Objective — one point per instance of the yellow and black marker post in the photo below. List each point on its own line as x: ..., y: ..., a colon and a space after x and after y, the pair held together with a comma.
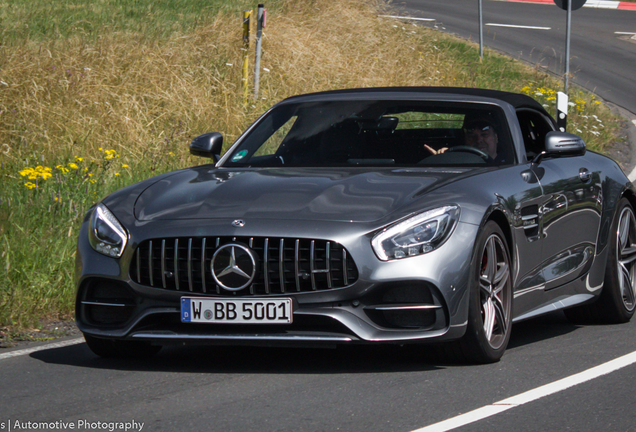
x: 246, y: 51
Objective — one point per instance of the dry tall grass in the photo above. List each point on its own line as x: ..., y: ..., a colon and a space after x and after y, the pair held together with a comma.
x: 126, y: 92
x: 72, y: 97
x: 129, y: 93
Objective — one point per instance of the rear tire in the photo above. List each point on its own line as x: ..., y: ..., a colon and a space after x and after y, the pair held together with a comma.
x: 490, y: 303
x: 617, y: 301
x: 113, y: 348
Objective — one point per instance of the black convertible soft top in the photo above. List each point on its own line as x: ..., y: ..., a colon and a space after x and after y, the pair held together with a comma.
x: 517, y: 100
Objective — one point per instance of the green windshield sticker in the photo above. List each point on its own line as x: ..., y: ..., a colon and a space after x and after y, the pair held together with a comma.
x: 240, y: 155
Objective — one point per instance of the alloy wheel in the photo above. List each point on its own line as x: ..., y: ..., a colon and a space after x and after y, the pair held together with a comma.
x: 626, y: 254
x: 494, y: 280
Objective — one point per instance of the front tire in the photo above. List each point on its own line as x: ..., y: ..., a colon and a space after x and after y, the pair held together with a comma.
x: 490, y: 303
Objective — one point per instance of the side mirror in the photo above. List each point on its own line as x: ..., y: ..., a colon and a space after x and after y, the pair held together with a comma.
x: 564, y: 144
x: 208, y: 145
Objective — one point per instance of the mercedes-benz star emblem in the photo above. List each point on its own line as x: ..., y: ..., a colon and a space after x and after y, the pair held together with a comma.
x: 234, y: 266
x: 239, y: 223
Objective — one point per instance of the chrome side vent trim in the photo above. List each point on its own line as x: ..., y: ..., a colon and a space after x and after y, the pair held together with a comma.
x: 530, y: 219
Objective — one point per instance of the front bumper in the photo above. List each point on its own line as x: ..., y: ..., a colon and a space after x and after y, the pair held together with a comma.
x: 411, y: 300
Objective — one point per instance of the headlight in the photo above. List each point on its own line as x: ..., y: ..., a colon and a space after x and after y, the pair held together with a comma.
x: 416, y: 235
x: 105, y: 234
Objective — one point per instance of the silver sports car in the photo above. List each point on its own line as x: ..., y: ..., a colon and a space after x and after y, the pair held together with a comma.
x: 388, y: 215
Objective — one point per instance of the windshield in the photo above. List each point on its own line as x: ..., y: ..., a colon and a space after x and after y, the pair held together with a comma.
x: 376, y: 133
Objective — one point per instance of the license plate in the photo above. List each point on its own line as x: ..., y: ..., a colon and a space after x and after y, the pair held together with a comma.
x: 236, y: 311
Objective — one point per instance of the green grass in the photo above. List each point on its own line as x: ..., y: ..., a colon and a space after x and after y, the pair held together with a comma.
x: 96, y: 95
x: 46, y: 20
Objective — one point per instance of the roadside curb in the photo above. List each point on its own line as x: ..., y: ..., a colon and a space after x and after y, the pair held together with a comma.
x: 599, y: 4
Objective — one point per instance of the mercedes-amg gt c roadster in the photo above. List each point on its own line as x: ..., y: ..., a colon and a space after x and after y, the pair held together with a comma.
x: 386, y: 215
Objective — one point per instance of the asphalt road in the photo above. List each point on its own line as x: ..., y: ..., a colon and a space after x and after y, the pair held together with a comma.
x: 603, y: 55
x: 352, y: 389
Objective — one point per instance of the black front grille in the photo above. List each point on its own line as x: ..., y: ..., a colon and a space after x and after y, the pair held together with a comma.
x: 285, y: 265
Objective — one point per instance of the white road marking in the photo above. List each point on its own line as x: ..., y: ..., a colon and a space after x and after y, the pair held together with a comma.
x: 603, y: 4
x: 54, y: 345
x: 407, y: 18
x: 518, y: 26
x: 625, y: 33
x: 531, y: 395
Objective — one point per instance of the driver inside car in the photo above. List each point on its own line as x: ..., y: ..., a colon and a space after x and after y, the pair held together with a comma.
x: 481, y: 135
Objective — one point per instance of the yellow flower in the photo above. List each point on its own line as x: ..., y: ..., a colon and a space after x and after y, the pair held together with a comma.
x: 44, y: 172
x: 580, y: 105
x: 39, y: 172
x: 27, y: 172
x: 79, y: 159
x: 124, y: 166
x: 73, y: 166
x: 62, y: 169
x: 116, y: 174
x: 31, y: 185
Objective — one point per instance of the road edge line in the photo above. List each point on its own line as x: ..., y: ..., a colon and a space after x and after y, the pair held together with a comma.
x: 26, y: 351
x: 531, y: 395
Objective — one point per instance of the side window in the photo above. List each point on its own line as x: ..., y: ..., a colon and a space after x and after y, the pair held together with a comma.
x: 534, y: 127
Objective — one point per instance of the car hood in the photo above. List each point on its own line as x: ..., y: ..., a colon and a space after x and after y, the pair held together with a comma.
x: 356, y: 195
